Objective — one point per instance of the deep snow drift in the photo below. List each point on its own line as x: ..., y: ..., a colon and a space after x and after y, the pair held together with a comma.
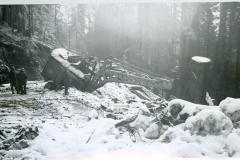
x: 76, y: 126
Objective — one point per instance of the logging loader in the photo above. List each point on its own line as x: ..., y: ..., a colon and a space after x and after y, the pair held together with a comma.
x: 89, y: 74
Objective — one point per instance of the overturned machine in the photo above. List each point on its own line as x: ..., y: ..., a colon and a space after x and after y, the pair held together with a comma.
x: 88, y: 74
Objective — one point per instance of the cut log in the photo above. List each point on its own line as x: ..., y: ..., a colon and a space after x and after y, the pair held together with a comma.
x: 126, y: 121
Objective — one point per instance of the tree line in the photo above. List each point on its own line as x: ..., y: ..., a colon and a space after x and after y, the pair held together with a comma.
x: 156, y: 36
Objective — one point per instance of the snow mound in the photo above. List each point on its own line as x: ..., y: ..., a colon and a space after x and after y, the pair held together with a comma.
x: 93, y: 114
x: 182, y: 109
x: 209, y: 121
x: 23, y: 154
x: 142, y: 121
x: 175, y: 133
x: 232, y: 143
x: 231, y: 107
x: 152, y: 132
x: 144, y: 110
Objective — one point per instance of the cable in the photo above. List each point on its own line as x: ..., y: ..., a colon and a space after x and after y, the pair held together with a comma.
x: 20, y: 65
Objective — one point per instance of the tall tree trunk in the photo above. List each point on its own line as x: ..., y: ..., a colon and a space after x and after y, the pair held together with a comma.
x: 55, y: 21
x: 221, y: 44
x: 173, y: 47
x: 237, y: 75
x: 32, y: 12
x: 5, y: 16
x: 221, y: 52
x: 1, y: 14
x: 196, y: 25
x: 29, y: 21
x: 183, y: 46
x: 19, y: 21
x: 209, y: 24
x: 228, y: 80
x: 69, y: 40
x: 117, y: 31
x: 23, y: 20
x: 140, y: 31
x: 14, y: 17
x: 10, y: 17
x: 207, y: 80
x: 174, y: 18
x: 145, y: 54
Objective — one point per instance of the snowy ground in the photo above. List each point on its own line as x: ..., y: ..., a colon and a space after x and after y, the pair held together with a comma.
x: 65, y: 127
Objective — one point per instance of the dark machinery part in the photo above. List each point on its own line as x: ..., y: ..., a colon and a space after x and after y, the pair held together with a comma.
x: 88, y: 74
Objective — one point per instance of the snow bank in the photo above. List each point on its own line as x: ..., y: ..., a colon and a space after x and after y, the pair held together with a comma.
x: 142, y: 121
x: 209, y: 121
x: 152, y: 132
x: 207, y: 133
x: 233, y: 143
x: 182, y: 109
x: 175, y: 133
x: 23, y: 154
x: 93, y: 114
x: 231, y: 107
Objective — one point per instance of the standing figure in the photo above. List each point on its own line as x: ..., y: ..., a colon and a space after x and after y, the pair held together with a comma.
x: 17, y: 77
x: 13, y: 79
x: 4, y: 71
x: 22, y: 81
x: 66, y: 80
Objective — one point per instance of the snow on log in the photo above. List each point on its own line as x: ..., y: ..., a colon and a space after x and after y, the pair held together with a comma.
x: 181, y: 109
x: 200, y: 59
x: 126, y: 121
x: 209, y: 121
x: 231, y: 107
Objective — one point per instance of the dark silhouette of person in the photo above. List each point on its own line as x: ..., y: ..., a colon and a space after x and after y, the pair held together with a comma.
x: 66, y: 80
x: 22, y: 80
x: 13, y: 79
x: 4, y: 71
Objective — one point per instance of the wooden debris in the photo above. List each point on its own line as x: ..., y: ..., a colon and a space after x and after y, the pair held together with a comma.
x: 126, y: 121
x: 90, y: 136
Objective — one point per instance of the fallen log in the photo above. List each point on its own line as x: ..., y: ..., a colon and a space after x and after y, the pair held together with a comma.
x: 126, y: 121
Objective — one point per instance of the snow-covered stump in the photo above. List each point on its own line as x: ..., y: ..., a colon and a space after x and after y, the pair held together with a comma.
x: 209, y: 122
x: 231, y: 108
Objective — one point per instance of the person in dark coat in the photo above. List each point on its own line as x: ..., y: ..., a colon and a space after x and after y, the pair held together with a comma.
x: 22, y: 81
x: 17, y: 77
x: 13, y: 79
x: 66, y: 80
x: 4, y: 71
